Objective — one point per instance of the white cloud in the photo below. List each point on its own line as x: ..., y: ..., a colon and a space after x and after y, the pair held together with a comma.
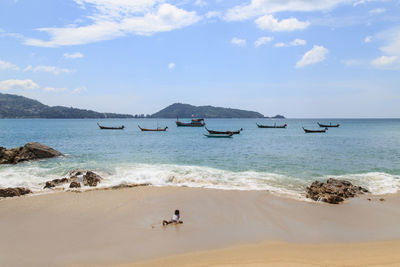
x: 17, y: 84
x: 49, y: 69
x: 4, y: 65
x: 238, y: 42
x: 116, y: 18
x: 73, y: 55
x: 213, y: 14
x: 368, y: 39
x: 295, y: 42
x: 362, y: 2
x: 391, y: 49
x: 79, y: 90
x: 268, y: 22
x: 262, y: 7
x: 200, y: 3
x: 315, y: 55
x: 263, y: 40
x: 54, y: 90
x: 171, y: 65
x: 384, y: 60
x: 377, y: 11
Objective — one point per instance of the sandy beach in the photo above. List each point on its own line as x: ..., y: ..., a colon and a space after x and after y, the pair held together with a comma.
x: 221, y: 228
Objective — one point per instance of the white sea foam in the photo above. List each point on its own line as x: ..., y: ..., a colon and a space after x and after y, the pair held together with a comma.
x: 378, y: 183
x: 34, y: 176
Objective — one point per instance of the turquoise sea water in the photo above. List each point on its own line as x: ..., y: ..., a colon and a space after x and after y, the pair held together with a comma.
x: 365, y: 151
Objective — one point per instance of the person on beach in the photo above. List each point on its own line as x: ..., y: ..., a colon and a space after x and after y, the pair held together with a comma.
x: 175, y: 219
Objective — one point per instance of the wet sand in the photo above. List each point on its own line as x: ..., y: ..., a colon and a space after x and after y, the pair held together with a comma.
x: 111, y: 227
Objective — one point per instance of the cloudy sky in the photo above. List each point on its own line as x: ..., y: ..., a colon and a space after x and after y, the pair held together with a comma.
x: 300, y: 58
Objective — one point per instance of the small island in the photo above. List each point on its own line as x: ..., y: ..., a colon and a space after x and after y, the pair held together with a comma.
x: 187, y: 111
x: 15, y: 106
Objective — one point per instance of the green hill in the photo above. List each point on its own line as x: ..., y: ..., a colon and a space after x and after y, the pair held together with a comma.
x: 14, y: 106
x: 188, y: 111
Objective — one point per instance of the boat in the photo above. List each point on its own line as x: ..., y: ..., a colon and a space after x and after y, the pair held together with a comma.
x: 314, y: 131
x: 111, y: 128
x: 153, y: 130
x: 219, y: 135
x: 330, y: 125
x: 272, y: 126
x: 193, y: 123
x: 224, y: 132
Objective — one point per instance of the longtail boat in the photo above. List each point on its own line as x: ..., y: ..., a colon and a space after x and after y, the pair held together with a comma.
x: 193, y: 123
x: 314, y: 131
x: 153, y: 130
x: 224, y: 132
x: 272, y: 126
x: 330, y: 125
x: 111, y: 128
x: 219, y: 135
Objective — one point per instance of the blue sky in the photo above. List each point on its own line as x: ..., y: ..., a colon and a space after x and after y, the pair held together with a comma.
x: 300, y: 58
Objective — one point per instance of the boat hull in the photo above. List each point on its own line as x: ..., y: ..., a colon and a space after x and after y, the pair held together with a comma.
x: 153, y: 130
x: 314, y: 131
x: 218, y: 135
x: 111, y: 128
x: 328, y: 126
x: 224, y: 132
x: 272, y: 127
x: 189, y: 124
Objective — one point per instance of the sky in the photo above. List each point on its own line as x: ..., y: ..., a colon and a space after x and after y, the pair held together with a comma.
x: 299, y: 58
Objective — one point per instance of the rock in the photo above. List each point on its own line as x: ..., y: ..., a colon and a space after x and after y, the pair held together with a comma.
x: 55, y: 182
x: 333, y: 191
x: 91, y: 179
x: 14, y: 192
x: 74, y: 185
x: 30, y: 151
x: 381, y: 199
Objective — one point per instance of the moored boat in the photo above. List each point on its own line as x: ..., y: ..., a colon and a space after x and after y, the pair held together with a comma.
x: 330, y: 125
x: 193, y: 123
x: 110, y: 128
x: 219, y: 135
x: 272, y: 126
x: 314, y: 131
x: 153, y: 130
x: 224, y: 132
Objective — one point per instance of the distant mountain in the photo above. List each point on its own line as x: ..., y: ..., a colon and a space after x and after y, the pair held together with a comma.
x: 14, y: 106
x: 278, y: 117
x: 187, y: 111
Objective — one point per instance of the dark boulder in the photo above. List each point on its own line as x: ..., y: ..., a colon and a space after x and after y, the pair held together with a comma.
x: 333, y: 191
x: 30, y: 151
x: 14, y: 192
x: 91, y: 179
x: 74, y: 185
x: 55, y: 182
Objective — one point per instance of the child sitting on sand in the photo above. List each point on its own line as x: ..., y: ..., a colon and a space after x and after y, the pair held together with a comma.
x: 174, y: 219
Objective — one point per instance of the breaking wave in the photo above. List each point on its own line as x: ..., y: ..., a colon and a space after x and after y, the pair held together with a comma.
x: 34, y: 176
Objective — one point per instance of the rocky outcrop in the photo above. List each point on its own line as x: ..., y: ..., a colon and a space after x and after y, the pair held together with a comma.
x: 333, y: 191
x: 14, y: 192
x: 30, y: 151
x: 55, y: 182
x: 74, y: 185
x: 91, y: 179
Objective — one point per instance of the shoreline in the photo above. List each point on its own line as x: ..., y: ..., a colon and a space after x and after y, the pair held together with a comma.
x: 111, y: 227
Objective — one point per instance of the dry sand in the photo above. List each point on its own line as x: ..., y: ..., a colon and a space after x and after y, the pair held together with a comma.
x: 124, y: 226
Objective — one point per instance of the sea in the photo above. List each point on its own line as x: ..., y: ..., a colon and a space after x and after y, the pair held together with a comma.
x: 281, y: 161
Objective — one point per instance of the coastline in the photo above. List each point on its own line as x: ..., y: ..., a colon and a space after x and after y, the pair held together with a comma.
x: 111, y: 227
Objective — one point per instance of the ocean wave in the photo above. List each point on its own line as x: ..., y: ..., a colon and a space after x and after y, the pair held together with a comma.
x: 34, y: 176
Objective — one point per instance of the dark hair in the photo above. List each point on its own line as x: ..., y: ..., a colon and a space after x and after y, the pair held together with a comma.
x: 176, y: 212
